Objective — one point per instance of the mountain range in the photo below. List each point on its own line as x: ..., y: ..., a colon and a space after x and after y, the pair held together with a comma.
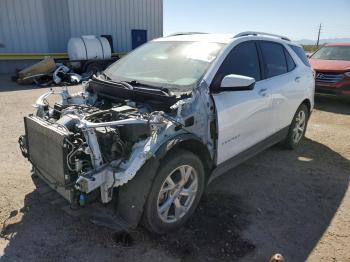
x: 322, y: 41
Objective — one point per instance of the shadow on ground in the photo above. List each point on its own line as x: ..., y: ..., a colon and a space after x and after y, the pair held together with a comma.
x: 279, y: 201
x: 293, y: 195
x: 7, y: 85
x: 333, y: 104
x: 213, y: 232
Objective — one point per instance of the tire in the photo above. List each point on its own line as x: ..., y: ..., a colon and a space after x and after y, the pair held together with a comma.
x: 293, y: 140
x: 93, y: 67
x: 161, y: 217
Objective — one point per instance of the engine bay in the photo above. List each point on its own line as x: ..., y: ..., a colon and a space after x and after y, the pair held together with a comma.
x: 101, y: 141
x: 93, y: 141
x: 115, y: 141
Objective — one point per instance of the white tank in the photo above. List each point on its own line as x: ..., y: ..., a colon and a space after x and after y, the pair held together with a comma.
x: 89, y: 47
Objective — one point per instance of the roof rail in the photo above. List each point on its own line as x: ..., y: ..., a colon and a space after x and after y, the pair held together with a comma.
x: 247, y: 33
x: 186, y: 33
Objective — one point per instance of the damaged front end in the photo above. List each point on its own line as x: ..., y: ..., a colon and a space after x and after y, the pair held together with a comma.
x: 93, y: 142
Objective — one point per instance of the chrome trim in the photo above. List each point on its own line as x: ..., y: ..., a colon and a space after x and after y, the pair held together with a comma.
x: 330, y: 78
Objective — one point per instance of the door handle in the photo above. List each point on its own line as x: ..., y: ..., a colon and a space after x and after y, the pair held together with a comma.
x: 263, y: 92
x: 297, y: 79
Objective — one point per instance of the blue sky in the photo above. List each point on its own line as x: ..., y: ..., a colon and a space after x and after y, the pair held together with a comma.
x: 296, y: 19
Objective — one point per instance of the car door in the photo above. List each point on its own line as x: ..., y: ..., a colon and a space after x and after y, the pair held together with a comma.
x: 243, y: 117
x: 280, y: 76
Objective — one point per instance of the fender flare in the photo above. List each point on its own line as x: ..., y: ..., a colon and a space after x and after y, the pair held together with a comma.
x: 133, y: 195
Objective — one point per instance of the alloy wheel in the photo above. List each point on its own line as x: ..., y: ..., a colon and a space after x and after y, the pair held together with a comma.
x: 299, y: 127
x: 177, y: 194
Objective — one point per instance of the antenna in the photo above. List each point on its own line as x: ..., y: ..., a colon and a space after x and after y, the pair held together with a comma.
x: 319, y: 33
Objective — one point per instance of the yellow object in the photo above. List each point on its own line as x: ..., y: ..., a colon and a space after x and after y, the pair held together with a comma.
x: 31, y: 56
x: 45, y: 66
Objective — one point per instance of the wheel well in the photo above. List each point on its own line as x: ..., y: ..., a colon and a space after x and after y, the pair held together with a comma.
x: 307, y: 103
x: 200, y: 150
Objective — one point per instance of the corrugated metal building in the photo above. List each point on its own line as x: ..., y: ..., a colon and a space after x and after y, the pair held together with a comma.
x: 45, y: 26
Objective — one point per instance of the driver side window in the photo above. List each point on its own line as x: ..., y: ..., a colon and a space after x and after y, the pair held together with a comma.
x: 242, y: 60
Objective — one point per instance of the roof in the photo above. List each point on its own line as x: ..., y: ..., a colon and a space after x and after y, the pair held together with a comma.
x: 337, y: 44
x: 222, y: 38
x: 202, y: 37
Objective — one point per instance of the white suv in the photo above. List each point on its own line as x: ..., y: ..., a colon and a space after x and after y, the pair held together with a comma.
x: 158, y: 125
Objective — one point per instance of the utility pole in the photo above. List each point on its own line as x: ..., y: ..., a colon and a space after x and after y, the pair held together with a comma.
x: 318, y: 37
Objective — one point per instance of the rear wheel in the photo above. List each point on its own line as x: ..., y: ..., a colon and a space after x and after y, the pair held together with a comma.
x: 297, y: 128
x: 175, y: 193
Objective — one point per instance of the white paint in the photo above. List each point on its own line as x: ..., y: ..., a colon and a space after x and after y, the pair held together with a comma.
x: 89, y: 47
x: 237, y: 81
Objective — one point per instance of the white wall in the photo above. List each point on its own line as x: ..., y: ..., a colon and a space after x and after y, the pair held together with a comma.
x: 44, y: 26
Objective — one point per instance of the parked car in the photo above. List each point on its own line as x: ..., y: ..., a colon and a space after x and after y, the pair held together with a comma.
x: 161, y: 123
x: 332, y: 69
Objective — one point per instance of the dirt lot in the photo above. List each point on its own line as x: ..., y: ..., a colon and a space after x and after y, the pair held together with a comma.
x: 293, y: 202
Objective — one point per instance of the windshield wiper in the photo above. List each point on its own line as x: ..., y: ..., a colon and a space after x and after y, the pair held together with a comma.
x: 107, y: 77
x: 133, y: 84
x: 122, y: 83
x: 137, y: 84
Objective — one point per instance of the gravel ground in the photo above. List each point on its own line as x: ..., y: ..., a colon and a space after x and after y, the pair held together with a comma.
x: 296, y: 203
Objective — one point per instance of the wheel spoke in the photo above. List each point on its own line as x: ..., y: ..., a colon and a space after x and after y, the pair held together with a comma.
x: 187, y: 192
x: 190, y: 191
x: 301, y: 117
x: 179, y: 209
x: 295, y: 130
x: 185, y: 172
x: 166, y: 206
x: 188, y: 173
x: 165, y: 213
x: 295, y: 136
x: 182, y: 171
x: 170, y: 181
x: 170, y: 185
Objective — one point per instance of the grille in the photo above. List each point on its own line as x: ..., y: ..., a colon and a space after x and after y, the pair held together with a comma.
x: 46, y: 150
x: 330, y: 78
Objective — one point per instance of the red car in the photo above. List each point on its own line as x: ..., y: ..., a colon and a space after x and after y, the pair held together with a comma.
x: 332, y: 69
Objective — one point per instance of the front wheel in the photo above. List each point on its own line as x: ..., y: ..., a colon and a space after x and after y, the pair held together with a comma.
x: 297, y: 128
x: 175, y: 193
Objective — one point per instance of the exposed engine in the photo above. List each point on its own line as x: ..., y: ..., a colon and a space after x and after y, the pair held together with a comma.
x: 85, y: 141
x: 115, y: 142
x: 94, y: 141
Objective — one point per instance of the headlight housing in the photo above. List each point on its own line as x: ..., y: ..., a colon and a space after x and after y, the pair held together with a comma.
x: 347, y: 74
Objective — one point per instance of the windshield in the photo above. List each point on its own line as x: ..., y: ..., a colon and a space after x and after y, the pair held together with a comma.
x: 333, y: 53
x: 177, y: 66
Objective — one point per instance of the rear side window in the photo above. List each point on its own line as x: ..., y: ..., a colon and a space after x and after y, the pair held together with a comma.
x: 242, y: 60
x: 290, y: 61
x: 301, y: 54
x: 274, y: 59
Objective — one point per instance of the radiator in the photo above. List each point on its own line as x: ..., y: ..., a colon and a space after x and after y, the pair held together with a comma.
x: 47, y: 152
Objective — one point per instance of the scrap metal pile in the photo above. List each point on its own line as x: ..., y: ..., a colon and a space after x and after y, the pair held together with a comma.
x: 47, y: 73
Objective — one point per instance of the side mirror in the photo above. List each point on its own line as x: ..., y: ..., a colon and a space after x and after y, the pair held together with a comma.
x: 237, y: 83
